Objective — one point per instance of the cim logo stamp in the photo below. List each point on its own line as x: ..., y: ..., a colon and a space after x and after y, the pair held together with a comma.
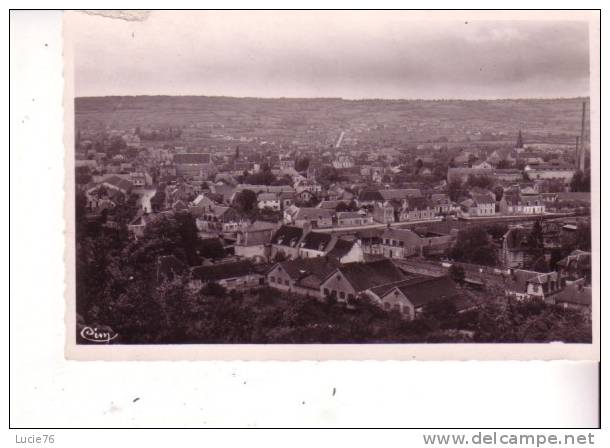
x: 95, y: 334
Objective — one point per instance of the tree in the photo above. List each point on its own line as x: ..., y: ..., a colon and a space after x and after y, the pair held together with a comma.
x: 497, y: 230
x: 535, y: 238
x: 82, y: 175
x: 116, y: 145
x: 441, y: 311
x: 473, y: 245
x: 211, y: 248
x: 535, y: 242
x: 328, y: 175
x: 284, y: 180
x: 519, y: 143
x: 556, y: 257
x: 499, y: 192
x: 455, y: 190
x: 214, y: 289
x: 301, y: 164
x: 245, y: 201
x: 503, y: 164
x: 279, y: 257
x: 157, y: 202
x: 439, y: 172
x: 346, y: 207
x: 480, y: 181
x: 540, y: 265
x: 530, y: 320
x: 189, y: 240
x: 553, y: 186
x: 264, y: 177
x: 457, y: 273
x: 581, y: 182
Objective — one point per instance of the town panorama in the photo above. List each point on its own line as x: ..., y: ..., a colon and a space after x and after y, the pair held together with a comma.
x: 245, y: 220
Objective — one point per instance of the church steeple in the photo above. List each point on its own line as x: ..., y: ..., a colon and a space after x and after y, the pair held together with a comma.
x: 519, y: 140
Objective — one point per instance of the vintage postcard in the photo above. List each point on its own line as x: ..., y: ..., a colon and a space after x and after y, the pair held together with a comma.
x: 297, y: 185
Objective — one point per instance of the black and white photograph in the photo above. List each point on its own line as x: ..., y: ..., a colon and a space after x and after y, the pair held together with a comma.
x: 391, y: 178
x: 303, y: 219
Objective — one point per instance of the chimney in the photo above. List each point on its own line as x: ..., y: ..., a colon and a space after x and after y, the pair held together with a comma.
x: 582, y: 146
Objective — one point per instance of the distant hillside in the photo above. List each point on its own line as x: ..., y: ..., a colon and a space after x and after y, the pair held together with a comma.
x: 393, y: 120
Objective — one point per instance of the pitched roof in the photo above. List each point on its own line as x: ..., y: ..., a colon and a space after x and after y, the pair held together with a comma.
x: 225, y: 190
x: 260, y: 226
x: 287, y: 236
x: 343, y: 215
x: 215, y: 272
x: 267, y: 197
x: 179, y: 205
x: 578, y: 257
x: 483, y: 199
x: 363, y: 276
x: 517, y: 280
x: 330, y: 205
x: 265, y: 188
x: 316, y: 241
x: 512, y: 198
x: 467, y: 170
x: 531, y: 199
x: 341, y: 248
x: 286, y: 195
x: 406, y: 235
x: 370, y: 195
x: 401, y: 193
x: 369, y: 233
x: 542, y: 278
x: 220, y: 210
x: 574, y: 196
x: 418, y: 203
x: 440, y: 198
x: 202, y: 200
x: 575, y: 293
x: 310, y: 213
x: 550, y: 167
x: 118, y: 182
x: 300, y: 268
x: 192, y: 158
x: 421, y: 290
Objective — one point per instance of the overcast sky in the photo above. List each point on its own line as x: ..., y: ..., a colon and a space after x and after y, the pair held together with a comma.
x: 329, y: 54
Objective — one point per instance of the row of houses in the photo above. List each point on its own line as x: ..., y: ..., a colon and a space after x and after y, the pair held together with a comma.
x: 391, y: 287
x: 292, y: 242
x: 381, y: 281
x: 323, y: 277
x: 395, y: 243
